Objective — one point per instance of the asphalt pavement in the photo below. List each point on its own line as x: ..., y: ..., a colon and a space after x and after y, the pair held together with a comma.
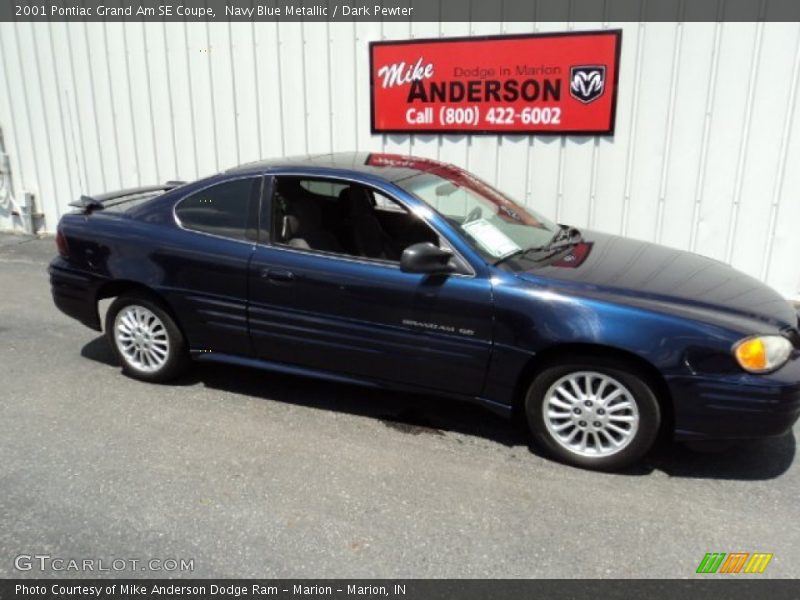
x: 254, y: 474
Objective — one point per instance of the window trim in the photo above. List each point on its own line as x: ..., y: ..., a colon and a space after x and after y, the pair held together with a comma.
x: 265, y: 217
x: 349, y: 257
x: 249, y: 242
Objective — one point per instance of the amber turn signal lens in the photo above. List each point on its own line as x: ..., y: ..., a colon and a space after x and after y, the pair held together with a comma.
x: 752, y: 355
x: 762, y: 353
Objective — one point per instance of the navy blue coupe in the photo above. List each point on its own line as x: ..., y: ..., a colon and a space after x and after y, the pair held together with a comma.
x: 416, y: 275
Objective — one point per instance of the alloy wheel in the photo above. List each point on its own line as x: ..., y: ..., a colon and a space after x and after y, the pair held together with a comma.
x: 141, y: 338
x: 590, y: 414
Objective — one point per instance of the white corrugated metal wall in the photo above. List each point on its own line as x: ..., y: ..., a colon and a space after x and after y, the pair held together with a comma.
x: 706, y: 154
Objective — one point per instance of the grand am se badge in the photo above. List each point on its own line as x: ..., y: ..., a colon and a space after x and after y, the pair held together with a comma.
x: 439, y: 327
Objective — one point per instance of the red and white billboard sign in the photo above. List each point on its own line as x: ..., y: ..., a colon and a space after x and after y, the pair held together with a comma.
x: 548, y: 83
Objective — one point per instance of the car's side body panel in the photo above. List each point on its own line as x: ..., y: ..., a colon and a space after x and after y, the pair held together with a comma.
x: 370, y: 319
x: 204, y: 280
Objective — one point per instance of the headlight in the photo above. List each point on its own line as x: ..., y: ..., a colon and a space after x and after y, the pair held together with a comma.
x: 762, y: 353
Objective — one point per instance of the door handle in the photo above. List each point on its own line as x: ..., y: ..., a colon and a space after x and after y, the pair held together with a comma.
x: 280, y: 275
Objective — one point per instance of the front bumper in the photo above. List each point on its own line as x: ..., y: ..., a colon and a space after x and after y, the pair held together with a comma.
x: 736, y: 406
x: 75, y: 292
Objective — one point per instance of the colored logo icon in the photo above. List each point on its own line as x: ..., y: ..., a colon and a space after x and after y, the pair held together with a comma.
x: 734, y: 562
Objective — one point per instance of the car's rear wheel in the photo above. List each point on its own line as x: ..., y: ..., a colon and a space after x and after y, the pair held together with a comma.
x: 145, y: 339
x: 593, y: 413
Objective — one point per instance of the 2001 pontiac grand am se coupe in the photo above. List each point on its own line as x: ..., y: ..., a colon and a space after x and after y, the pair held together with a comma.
x: 412, y: 274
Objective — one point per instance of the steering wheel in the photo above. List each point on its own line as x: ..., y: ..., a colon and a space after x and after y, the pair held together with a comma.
x: 473, y: 215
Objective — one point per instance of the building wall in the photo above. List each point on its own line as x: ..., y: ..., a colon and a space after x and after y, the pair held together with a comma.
x: 706, y: 154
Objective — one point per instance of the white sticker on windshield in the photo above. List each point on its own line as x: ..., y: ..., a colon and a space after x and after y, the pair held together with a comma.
x: 491, y: 239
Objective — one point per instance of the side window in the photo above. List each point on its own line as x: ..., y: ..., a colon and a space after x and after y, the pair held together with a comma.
x: 344, y: 218
x: 384, y: 203
x: 325, y: 188
x: 224, y: 209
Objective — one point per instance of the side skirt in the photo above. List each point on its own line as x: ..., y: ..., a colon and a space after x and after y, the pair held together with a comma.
x: 266, y: 365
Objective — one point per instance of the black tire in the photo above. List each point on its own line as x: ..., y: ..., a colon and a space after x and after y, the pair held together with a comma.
x: 639, y: 391
x: 176, y: 354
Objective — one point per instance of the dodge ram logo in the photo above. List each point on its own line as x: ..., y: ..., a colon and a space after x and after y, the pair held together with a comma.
x: 587, y: 82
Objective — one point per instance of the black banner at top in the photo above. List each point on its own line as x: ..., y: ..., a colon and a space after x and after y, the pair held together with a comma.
x: 400, y: 10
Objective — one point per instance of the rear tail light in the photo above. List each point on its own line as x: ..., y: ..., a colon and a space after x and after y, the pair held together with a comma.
x: 61, y: 244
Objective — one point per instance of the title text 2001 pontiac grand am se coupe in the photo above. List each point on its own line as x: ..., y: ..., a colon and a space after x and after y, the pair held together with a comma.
x: 415, y: 275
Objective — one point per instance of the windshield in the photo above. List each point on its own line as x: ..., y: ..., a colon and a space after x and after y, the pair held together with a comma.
x: 492, y: 223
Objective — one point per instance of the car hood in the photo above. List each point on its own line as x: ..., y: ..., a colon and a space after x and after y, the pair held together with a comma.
x: 641, y: 271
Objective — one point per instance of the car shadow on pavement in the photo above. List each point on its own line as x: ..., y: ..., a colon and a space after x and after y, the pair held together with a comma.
x: 744, y: 459
x: 416, y: 414
x: 98, y: 350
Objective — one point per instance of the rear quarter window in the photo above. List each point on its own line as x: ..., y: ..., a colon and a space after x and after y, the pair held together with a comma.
x: 223, y: 209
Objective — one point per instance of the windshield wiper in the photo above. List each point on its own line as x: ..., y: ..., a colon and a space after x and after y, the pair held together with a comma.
x: 565, y: 237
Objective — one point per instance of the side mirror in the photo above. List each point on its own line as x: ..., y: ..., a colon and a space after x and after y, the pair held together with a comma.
x: 426, y: 258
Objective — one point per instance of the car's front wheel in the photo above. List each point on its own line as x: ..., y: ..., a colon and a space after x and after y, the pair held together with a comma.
x: 593, y: 413
x: 145, y: 339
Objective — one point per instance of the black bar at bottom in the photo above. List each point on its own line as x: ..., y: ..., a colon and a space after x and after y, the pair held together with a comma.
x: 708, y: 587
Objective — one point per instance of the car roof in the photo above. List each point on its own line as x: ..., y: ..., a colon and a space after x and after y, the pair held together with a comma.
x: 389, y: 167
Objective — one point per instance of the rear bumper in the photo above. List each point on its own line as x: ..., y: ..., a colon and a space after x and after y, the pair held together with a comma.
x: 736, y: 406
x: 75, y: 293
